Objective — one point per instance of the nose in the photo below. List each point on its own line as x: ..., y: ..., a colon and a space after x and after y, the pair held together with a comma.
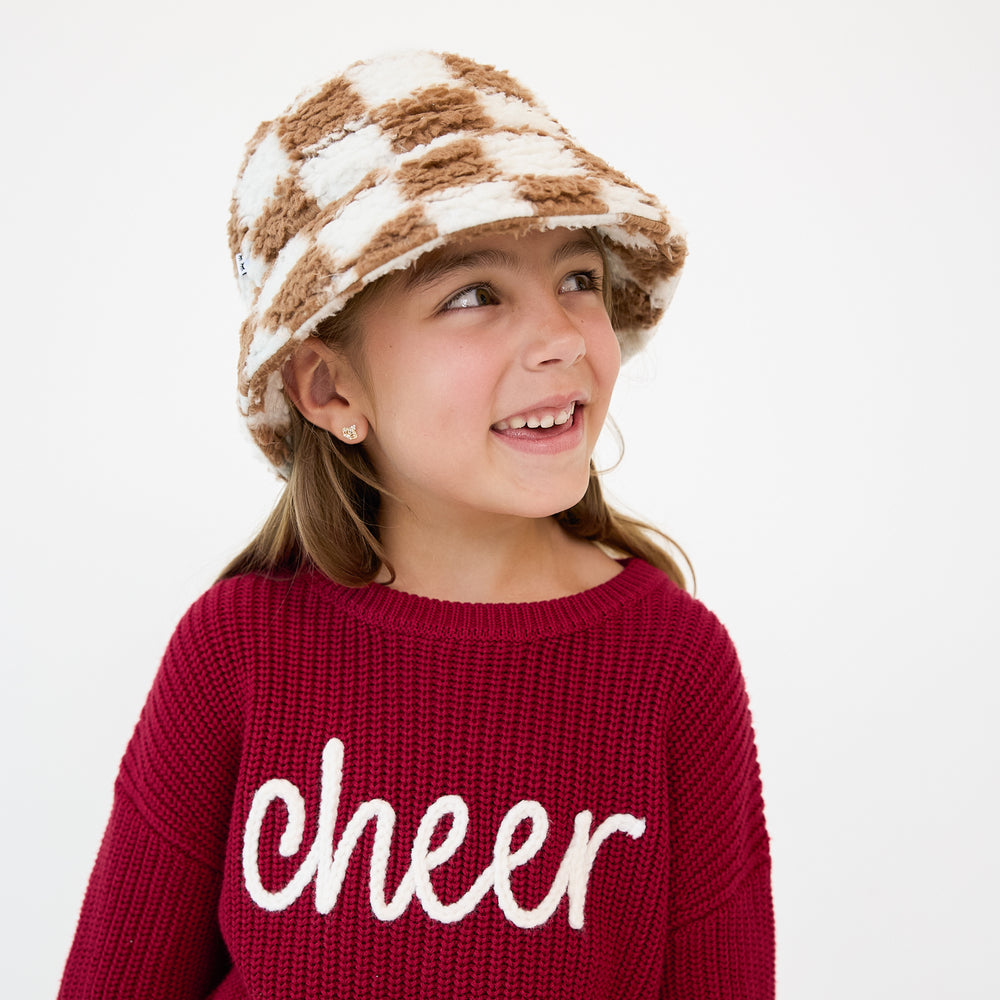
x: 553, y: 338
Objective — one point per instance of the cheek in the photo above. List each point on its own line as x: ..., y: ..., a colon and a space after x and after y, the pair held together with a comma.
x: 462, y: 380
x: 606, y: 356
x: 431, y: 390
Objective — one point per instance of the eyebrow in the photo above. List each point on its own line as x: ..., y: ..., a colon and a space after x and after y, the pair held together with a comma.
x: 428, y: 271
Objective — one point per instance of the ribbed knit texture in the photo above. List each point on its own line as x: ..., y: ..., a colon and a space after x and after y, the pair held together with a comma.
x: 624, y: 703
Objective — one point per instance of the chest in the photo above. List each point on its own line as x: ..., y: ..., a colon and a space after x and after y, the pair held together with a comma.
x: 398, y: 790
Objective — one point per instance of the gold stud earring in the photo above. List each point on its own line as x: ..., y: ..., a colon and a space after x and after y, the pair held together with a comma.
x: 350, y: 433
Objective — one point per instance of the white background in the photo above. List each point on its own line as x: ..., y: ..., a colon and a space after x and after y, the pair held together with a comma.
x: 817, y: 423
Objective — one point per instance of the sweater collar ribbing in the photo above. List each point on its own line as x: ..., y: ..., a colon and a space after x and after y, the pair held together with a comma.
x: 403, y: 612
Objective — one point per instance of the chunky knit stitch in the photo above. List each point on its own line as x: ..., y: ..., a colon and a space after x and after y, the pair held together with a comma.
x: 345, y: 793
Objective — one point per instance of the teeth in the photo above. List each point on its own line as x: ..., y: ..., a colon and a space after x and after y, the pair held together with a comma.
x: 534, y: 422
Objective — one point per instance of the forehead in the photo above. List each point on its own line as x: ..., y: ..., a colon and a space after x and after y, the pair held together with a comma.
x: 506, y: 250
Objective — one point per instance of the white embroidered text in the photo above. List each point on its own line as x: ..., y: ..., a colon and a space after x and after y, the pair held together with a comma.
x: 328, y: 866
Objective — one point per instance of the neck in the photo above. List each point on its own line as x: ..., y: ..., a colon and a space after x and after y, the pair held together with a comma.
x: 509, y: 560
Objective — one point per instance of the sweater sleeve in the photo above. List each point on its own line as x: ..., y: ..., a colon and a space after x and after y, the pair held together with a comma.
x: 148, y: 927
x: 722, y: 936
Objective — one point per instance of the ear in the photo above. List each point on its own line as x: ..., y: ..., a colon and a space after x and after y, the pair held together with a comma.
x: 326, y: 391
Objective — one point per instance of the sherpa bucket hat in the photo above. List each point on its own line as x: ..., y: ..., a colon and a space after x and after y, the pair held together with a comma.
x: 367, y: 172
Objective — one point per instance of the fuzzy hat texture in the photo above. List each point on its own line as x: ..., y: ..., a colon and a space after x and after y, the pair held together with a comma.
x: 367, y: 172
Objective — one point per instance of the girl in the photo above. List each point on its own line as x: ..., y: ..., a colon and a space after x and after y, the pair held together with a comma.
x: 450, y: 726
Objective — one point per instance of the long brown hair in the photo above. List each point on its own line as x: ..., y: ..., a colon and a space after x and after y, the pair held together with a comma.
x: 327, y: 515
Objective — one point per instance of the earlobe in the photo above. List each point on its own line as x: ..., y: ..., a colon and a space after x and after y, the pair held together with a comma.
x: 323, y: 388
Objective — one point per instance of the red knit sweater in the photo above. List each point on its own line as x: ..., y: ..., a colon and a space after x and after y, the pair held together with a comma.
x: 347, y: 793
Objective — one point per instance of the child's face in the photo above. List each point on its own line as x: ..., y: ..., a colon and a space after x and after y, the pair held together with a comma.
x: 488, y: 338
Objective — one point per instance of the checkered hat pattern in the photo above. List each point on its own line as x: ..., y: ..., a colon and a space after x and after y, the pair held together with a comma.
x: 364, y: 174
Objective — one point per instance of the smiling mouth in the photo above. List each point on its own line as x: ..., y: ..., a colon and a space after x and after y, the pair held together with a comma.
x: 539, y: 420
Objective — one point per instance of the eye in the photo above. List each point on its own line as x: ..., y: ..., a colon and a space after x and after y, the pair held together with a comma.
x: 472, y: 298
x: 581, y: 281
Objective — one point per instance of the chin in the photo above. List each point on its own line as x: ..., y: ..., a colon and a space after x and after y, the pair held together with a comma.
x: 556, y: 503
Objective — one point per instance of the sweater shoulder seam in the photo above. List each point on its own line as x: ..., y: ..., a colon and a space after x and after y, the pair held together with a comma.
x: 764, y: 864
x: 157, y: 832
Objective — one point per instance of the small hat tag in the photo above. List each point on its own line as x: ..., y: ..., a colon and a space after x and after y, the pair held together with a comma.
x: 241, y: 265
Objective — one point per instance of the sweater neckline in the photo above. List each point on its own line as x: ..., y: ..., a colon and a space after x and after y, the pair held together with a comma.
x: 400, y: 611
